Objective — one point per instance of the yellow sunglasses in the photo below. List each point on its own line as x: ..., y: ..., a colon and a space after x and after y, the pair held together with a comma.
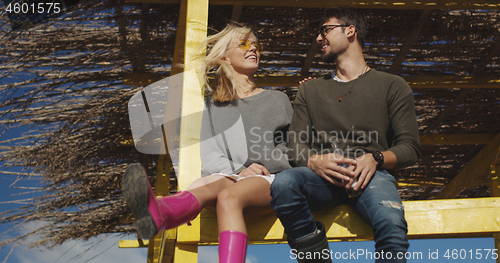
x: 245, y: 45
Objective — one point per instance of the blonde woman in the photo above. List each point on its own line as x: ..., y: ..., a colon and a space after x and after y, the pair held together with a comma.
x: 245, y: 145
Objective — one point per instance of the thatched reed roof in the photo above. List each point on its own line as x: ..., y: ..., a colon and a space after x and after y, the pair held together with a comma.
x: 64, y: 79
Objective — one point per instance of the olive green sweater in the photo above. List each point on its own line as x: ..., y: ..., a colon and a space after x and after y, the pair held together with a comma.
x: 377, y: 114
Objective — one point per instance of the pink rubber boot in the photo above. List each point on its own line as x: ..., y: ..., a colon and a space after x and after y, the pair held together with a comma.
x: 154, y: 214
x: 232, y: 247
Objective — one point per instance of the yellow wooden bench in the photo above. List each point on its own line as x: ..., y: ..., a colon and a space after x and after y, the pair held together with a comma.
x: 454, y: 218
x: 426, y: 219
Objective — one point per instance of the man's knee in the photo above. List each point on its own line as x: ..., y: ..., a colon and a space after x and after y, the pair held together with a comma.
x: 286, y: 182
x: 391, y: 214
x: 280, y: 182
x: 390, y: 228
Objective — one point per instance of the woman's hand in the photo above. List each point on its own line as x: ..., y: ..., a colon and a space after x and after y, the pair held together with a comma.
x: 254, y: 169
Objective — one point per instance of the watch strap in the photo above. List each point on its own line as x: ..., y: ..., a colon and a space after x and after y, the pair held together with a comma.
x: 379, y: 157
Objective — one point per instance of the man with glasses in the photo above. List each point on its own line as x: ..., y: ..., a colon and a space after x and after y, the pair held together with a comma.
x: 348, y: 131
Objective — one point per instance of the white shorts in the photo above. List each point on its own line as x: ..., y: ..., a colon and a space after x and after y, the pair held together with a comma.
x: 236, y: 177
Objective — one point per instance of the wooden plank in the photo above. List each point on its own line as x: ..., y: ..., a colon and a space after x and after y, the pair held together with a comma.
x: 449, y: 109
x: 420, y: 182
x: 186, y: 253
x: 497, y: 244
x: 313, y: 50
x: 495, y: 180
x: 464, y: 92
x: 487, y: 59
x: 428, y: 139
x: 166, y: 248
x: 473, y: 172
x: 446, y: 82
x: 437, y: 218
x: 408, y: 43
x: 492, y: 82
x: 236, y: 15
x: 448, y: 139
x: 196, y: 23
x: 192, y: 97
x: 426, y: 219
x: 417, y: 82
x: 161, y: 247
x: 133, y: 243
x: 387, y: 4
x: 495, y: 191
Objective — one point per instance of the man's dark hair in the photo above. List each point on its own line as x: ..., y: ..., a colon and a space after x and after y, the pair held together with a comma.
x: 348, y: 16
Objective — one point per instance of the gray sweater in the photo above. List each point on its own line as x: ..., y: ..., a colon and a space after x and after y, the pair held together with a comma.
x: 378, y: 114
x: 255, y: 131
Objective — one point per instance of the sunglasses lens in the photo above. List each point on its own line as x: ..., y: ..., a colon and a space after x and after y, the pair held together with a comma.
x: 246, y: 44
x: 258, y: 46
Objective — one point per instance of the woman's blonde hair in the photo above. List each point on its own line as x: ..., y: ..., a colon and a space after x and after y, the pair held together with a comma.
x: 224, y: 82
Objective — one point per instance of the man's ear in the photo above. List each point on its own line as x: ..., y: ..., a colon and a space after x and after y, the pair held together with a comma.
x: 351, y: 30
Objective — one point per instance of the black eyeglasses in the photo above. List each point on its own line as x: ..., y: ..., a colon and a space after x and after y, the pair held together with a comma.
x: 325, y: 29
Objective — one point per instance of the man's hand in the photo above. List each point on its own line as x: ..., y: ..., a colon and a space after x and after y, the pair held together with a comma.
x: 254, y: 169
x: 306, y: 80
x: 327, y: 167
x: 365, y: 168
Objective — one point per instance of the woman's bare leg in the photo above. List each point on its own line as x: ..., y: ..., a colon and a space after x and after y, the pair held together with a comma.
x: 207, y: 188
x: 250, y: 193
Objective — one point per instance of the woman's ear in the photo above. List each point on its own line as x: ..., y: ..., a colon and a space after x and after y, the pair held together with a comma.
x: 226, y: 59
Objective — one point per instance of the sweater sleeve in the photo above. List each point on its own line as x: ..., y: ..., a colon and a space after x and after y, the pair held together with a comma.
x: 300, y: 130
x: 403, y: 124
x: 288, y: 112
x: 214, y: 158
x: 288, y: 108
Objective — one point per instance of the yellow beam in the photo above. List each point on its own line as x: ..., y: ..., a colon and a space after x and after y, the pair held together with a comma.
x: 492, y: 82
x: 192, y: 96
x: 495, y: 180
x: 236, y: 15
x: 420, y: 182
x: 433, y: 139
x: 133, y: 243
x: 142, y: 79
x: 192, y: 27
x: 497, y: 244
x: 162, y: 246
x: 162, y: 183
x: 387, y: 4
x: 428, y: 139
x: 409, y: 41
x: 186, y: 253
x: 195, y: 22
x: 426, y: 219
x: 444, y: 82
x: 473, y: 172
x: 495, y: 191
x: 311, y: 53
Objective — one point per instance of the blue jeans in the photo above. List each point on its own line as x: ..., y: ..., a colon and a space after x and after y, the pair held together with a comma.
x: 299, y: 191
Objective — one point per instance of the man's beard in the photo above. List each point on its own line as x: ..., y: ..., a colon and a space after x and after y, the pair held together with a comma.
x: 330, y: 57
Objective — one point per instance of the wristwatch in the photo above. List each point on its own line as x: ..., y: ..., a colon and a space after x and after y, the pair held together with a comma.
x: 379, y: 158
